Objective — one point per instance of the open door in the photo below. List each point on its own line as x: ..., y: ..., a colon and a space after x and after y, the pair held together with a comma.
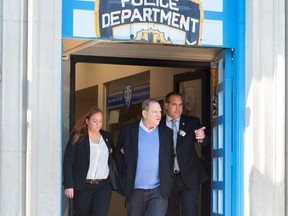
x: 222, y: 137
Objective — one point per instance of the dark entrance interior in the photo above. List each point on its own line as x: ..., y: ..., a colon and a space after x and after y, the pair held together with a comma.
x: 202, y: 72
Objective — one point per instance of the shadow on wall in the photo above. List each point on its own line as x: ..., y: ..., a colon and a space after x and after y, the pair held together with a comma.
x: 266, y: 196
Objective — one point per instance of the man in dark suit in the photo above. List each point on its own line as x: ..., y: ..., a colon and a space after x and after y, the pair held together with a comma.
x: 144, y: 159
x: 188, y: 169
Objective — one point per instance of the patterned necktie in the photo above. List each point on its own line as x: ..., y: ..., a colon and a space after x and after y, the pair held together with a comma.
x: 175, y: 132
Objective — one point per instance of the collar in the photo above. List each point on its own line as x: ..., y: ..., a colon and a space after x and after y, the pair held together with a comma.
x: 145, y: 128
x: 168, y: 119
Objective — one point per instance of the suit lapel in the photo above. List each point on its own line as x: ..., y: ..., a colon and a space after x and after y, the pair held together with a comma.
x: 161, y: 137
x: 163, y: 120
x: 182, y: 123
x: 107, y: 141
x: 135, y: 138
x: 105, y: 138
x: 87, y: 146
x: 182, y: 126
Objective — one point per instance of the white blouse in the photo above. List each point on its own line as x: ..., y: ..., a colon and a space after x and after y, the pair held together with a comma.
x: 98, y: 167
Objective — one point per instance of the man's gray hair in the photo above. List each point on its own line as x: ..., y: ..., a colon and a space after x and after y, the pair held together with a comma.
x: 146, y: 103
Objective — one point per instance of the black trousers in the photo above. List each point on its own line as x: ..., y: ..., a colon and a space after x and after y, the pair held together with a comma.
x: 184, y: 197
x: 94, y: 199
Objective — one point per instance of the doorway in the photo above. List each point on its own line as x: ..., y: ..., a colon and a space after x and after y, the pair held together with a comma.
x: 169, y: 71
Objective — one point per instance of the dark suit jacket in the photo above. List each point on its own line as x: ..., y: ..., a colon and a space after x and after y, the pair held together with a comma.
x: 126, y: 164
x: 191, y: 167
x: 77, y: 159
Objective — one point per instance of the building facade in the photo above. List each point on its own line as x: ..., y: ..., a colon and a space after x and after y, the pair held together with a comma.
x: 35, y: 107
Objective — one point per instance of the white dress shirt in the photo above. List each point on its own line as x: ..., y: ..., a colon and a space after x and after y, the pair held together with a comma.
x: 98, y: 166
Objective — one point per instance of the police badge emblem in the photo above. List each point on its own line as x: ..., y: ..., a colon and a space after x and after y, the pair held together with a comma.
x: 127, y: 92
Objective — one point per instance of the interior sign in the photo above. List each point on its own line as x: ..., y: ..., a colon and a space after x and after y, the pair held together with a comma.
x: 150, y: 21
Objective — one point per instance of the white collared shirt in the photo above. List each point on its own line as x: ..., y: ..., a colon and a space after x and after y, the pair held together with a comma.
x: 169, y: 122
x: 145, y: 128
x: 98, y: 166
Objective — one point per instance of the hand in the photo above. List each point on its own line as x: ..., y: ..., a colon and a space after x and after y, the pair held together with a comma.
x: 200, y: 134
x: 122, y: 151
x: 69, y: 192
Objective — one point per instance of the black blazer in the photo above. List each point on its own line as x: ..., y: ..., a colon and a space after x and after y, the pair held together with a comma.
x: 126, y: 164
x: 191, y: 167
x: 77, y: 159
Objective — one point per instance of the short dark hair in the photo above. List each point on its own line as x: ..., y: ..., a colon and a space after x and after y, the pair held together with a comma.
x: 170, y: 94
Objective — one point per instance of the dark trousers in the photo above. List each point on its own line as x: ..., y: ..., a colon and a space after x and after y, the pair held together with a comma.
x: 94, y: 199
x: 183, y: 196
x: 147, y: 202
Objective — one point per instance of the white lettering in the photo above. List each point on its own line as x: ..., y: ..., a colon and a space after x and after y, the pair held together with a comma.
x: 164, y: 5
x: 173, y: 5
x: 123, y: 2
x: 139, y: 3
x: 126, y: 14
x: 175, y: 20
x: 194, y: 22
x: 166, y: 17
x: 147, y: 3
x: 147, y: 15
x: 185, y: 23
x: 105, y: 20
x: 136, y: 16
x: 155, y: 11
x: 115, y: 18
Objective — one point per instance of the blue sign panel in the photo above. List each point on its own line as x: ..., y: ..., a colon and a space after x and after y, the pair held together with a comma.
x: 128, y: 96
x: 160, y: 21
x: 185, y: 22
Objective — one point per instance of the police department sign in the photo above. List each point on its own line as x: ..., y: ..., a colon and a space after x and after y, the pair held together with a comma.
x: 151, y: 21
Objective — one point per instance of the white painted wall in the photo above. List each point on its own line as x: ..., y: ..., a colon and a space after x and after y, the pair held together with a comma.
x: 286, y: 107
x: 12, y: 147
x: 30, y: 144
x: 264, y: 154
x: 30, y: 108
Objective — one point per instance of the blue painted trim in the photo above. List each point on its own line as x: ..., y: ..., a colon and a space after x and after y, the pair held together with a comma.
x: 227, y: 121
x: 86, y: 1
x: 229, y: 16
x: 239, y: 114
x: 67, y: 17
x: 84, y: 5
x: 213, y: 15
x: 228, y: 127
